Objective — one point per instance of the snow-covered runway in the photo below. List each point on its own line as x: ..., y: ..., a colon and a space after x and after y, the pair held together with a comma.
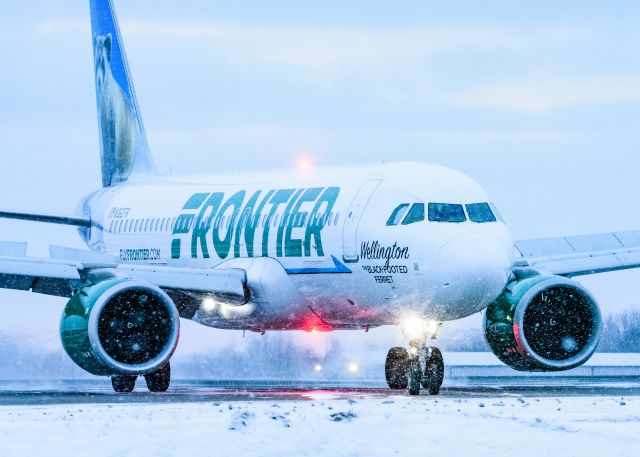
x: 327, y: 424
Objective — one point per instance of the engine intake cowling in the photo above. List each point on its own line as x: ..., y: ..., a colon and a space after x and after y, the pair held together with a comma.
x: 543, y: 323
x: 120, y: 327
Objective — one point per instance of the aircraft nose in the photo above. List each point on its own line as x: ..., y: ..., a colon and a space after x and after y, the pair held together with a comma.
x: 475, y: 268
x: 481, y: 252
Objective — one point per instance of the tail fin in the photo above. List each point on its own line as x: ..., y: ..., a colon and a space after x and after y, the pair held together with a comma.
x: 124, y: 150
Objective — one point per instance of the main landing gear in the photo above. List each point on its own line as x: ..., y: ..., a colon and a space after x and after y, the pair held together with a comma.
x: 419, y: 367
x: 158, y: 381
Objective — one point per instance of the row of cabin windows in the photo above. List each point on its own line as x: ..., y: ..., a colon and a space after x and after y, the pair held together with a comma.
x: 161, y: 225
x: 444, y: 212
x: 183, y: 224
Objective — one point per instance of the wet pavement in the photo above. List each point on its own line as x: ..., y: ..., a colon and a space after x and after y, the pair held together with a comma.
x: 100, y: 392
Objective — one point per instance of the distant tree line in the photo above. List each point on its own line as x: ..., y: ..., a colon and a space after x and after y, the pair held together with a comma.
x: 278, y: 356
x: 620, y: 333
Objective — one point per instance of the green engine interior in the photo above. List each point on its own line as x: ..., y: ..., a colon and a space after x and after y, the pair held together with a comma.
x: 74, y: 327
x: 558, y: 323
x: 118, y: 327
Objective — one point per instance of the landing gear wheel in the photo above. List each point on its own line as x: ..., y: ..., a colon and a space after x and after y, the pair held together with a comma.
x: 396, y: 368
x: 123, y: 384
x: 434, y: 371
x: 415, y: 376
x: 159, y: 380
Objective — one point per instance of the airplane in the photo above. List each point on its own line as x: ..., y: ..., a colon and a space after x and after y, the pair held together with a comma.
x: 326, y: 249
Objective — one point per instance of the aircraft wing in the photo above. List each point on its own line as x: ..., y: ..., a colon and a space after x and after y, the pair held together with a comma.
x: 580, y: 255
x: 69, y: 269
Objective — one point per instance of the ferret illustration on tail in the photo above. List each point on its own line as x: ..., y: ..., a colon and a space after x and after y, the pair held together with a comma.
x: 117, y: 126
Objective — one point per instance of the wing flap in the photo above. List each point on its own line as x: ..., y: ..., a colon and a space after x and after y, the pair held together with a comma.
x: 38, y: 275
x: 9, y: 249
x: 24, y: 266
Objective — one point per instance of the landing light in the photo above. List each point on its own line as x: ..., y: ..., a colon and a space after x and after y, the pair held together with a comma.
x: 317, y: 368
x: 209, y: 304
x: 415, y: 327
x: 353, y: 368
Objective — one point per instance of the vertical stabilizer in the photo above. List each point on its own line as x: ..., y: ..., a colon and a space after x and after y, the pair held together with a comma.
x: 124, y: 150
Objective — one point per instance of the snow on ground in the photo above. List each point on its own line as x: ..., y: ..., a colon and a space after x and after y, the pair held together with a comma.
x: 398, y: 425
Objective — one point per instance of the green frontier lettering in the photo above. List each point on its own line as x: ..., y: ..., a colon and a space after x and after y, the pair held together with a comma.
x: 293, y: 248
x: 318, y: 219
x: 223, y: 246
x: 209, y: 218
x: 281, y: 196
x: 183, y: 222
x: 284, y: 222
x: 249, y: 222
x: 203, y: 224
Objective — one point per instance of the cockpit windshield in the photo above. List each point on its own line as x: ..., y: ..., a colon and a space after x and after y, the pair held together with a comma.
x: 446, y: 212
x: 410, y: 213
x: 480, y: 213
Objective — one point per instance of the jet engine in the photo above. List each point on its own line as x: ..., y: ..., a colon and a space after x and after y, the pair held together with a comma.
x: 120, y: 327
x: 543, y: 323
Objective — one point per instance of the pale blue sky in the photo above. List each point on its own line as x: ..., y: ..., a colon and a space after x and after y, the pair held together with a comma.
x: 539, y: 102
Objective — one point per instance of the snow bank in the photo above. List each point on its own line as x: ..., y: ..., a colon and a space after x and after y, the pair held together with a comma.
x: 398, y: 425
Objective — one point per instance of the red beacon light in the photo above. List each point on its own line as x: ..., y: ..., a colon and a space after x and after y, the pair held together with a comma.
x: 313, y: 324
x: 304, y: 162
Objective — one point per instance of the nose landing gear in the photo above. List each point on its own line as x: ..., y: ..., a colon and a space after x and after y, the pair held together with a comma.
x: 421, y: 366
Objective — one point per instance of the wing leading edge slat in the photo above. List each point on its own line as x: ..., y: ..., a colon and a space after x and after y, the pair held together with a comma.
x: 580, y: 255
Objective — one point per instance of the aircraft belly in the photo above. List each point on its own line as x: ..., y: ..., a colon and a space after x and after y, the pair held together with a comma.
x: 280, y: 301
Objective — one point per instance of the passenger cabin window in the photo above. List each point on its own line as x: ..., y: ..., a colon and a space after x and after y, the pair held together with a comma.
x: 415, y: 214
x: 397, y: 214
x: 183, y: 224
x: 480, y: 213
x: 446, y: 212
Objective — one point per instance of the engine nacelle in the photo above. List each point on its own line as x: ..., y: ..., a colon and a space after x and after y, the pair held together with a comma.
x: 543, y: 323
x: 120, y: 327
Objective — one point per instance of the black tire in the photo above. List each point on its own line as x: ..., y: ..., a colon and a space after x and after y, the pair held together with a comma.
x: 434, y: 372
x: 159, y: 380
x: 123, y: 384
x: 415, y: 377
x: 396, y: 368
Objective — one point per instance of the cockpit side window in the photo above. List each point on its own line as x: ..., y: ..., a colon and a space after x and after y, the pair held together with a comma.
x: 480, y: 213
x: 446, y: 212
x: 415, y: 214
x: 397, y: 214
x: 496, y: 213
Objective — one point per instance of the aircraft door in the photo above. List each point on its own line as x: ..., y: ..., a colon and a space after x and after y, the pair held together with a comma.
x: 352, y: 219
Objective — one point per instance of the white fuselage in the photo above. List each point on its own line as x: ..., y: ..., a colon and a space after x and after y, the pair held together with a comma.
x: 316, y: 243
